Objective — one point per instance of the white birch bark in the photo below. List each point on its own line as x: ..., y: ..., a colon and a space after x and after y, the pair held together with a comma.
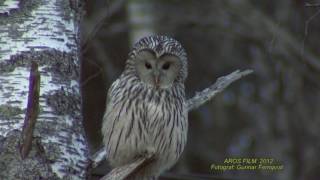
x: 44, y: 31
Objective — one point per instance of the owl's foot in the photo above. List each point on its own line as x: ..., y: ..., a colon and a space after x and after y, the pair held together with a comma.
x: 148, y: 154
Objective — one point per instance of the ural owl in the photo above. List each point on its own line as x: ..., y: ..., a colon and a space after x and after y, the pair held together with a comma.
x: 146, y: 107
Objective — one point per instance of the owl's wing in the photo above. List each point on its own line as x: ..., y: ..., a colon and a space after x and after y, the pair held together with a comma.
x: 111, y: 91
x: 114, y: 85
x: 108, y: 97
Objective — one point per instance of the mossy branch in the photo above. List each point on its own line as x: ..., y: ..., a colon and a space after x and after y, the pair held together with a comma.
x: 207, y: 94
x: 129, y: 170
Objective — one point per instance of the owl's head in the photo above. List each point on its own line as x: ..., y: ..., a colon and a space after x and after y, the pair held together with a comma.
x: 158, y: 61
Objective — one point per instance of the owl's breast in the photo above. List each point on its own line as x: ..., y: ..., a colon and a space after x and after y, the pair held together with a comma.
x: 167, y: 126
x: 139, y: 120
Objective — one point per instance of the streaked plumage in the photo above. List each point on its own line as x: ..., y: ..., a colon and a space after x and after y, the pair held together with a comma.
x: 146, y: 109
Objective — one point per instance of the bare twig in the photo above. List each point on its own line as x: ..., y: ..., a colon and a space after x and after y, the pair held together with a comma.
x: 287, y: 43
x: 32, y: 110
x: 208, y: 93
x: 127, y: 171
x: 102, y: 16
x: 87, y: 80
x: 306, y: 30
x: 312, y: 5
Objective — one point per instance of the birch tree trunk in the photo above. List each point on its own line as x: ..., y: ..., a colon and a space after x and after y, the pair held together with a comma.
x: 140, y: 18
x: 46, y: 33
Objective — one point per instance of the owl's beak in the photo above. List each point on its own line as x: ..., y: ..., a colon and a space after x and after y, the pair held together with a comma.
x: 156, y: 81
x: 156, y: 77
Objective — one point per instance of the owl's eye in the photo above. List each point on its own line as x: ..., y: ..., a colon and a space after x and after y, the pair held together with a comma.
x: 148, y: 65
x: 166, y: 66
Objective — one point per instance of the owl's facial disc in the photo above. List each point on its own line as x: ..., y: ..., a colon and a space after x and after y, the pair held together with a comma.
x: 157, y: 72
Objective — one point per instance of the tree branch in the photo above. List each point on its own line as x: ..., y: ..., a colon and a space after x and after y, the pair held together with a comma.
x: 128, y: 170
x: 32, y: 110
x: 89, y: 31
x: 208, y: 93
x: 312, y: 4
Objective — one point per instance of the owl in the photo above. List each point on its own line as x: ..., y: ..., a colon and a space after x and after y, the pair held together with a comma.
x: 146, y: 107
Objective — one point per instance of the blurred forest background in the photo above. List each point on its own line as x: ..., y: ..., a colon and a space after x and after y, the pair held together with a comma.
x: 272, y: 113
